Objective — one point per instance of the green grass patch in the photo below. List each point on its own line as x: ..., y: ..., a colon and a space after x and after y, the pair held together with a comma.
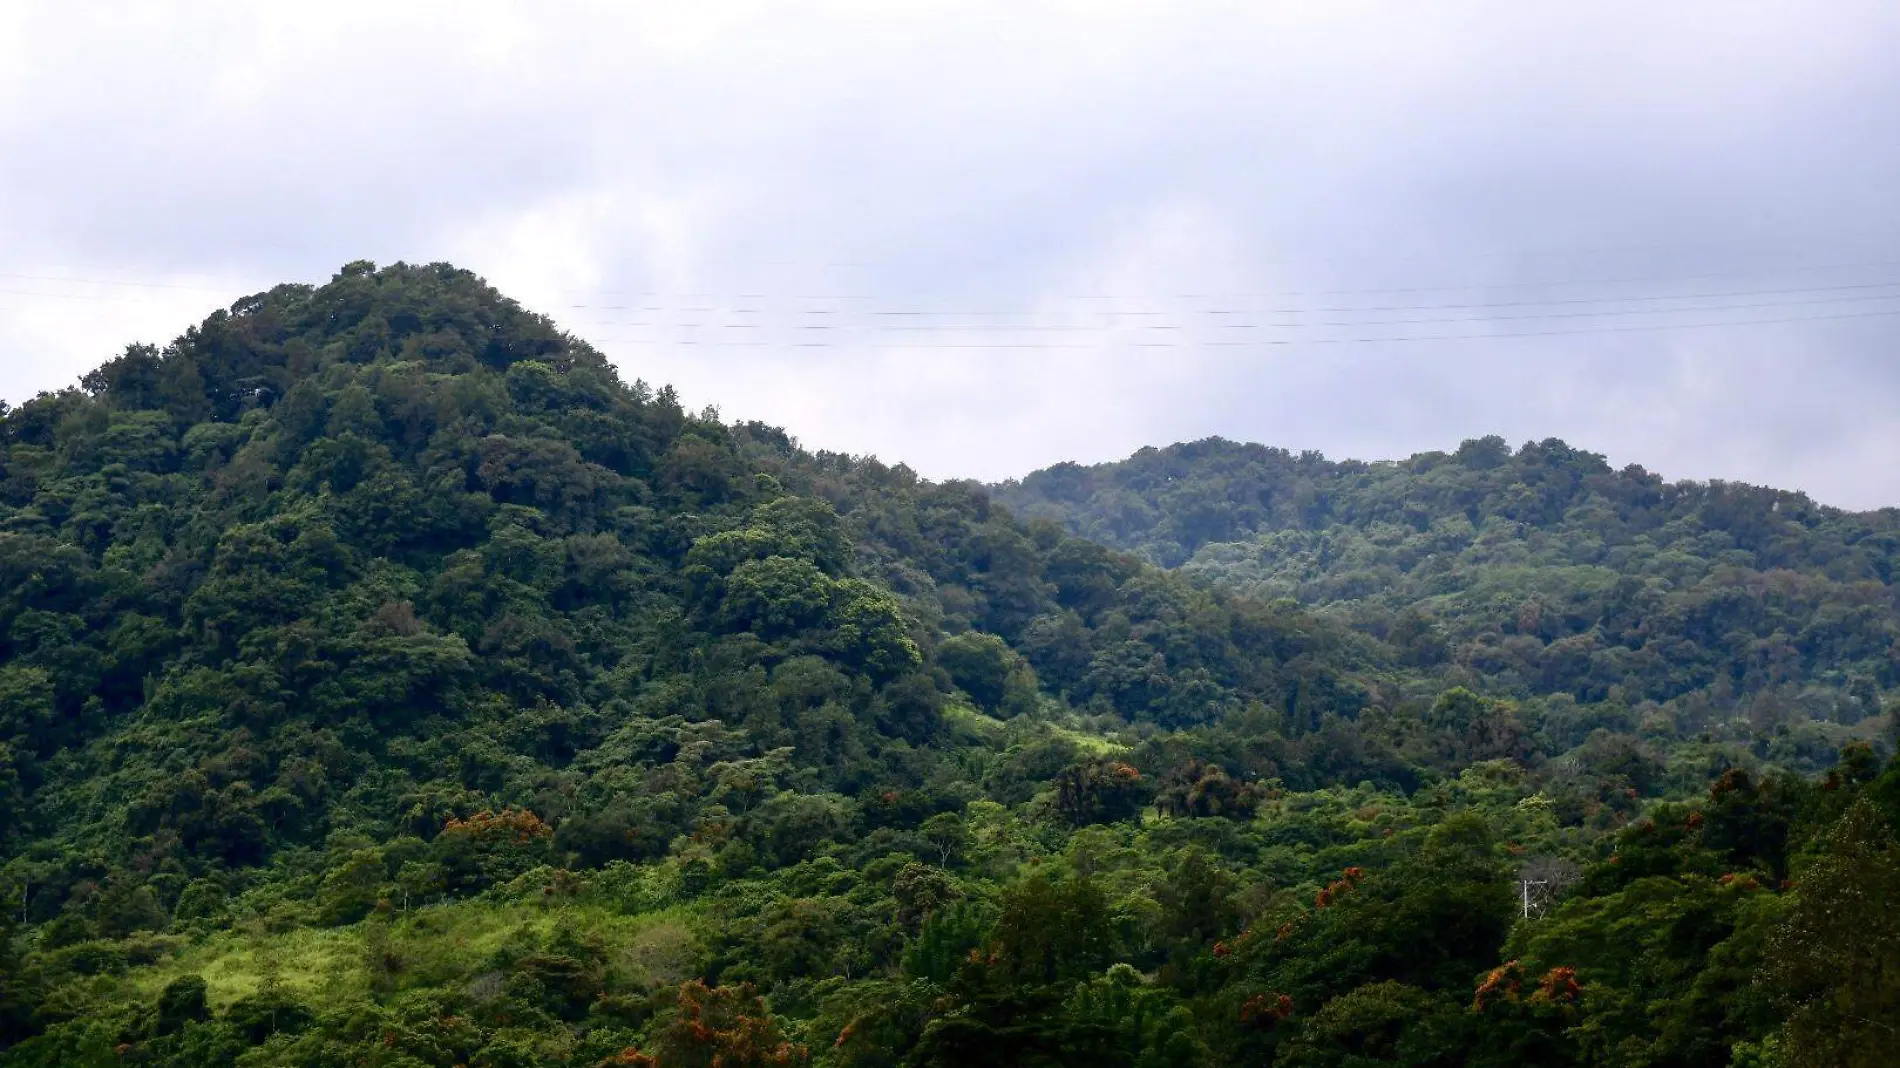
x: 967, y: 719
x: 313, y: 963
x: 438, y: 945
x: 1088, y: 742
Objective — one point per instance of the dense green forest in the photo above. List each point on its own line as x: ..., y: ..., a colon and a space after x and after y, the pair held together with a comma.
x: 385, y: 681
x: 1676, y: 610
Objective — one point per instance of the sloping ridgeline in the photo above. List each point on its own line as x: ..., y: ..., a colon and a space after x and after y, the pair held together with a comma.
x: 384, y: 681
x: 387, y: 549
x: 1604, y: 597
x: 361, y: 562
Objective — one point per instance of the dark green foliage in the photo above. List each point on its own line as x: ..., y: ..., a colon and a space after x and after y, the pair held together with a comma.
x: 1198, y: 788
x: 18, y: 998
x: 1835, y: 960
x: 385, y: 681
x: 1723, y: 609
x: 980, y: 665
x: 1100, y: 791
x: 1051, y: 929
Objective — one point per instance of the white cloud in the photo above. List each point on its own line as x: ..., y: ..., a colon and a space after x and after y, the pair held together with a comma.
x: 623, y: 165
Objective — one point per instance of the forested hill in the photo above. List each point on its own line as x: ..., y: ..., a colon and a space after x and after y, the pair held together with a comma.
x: 1168, y: 503
x: 1541, y: 571
x: 386, y: 681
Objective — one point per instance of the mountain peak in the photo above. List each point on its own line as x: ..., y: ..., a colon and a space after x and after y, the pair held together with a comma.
x: 250, y: 355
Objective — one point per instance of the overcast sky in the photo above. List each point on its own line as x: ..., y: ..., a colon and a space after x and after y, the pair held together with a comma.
x: 982, y: 239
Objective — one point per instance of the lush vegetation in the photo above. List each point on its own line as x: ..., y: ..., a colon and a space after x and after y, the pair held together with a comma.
x: 1683, y: 611
x: 384, y: 681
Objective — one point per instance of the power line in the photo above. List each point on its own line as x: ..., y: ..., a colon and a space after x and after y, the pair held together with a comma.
x: 1616, y: 300
x: 1553, y: 284
x: 1550, y: 333
x: 1583, y: 314
x: 1013, y: 328
x: 1448, y: 307
x: 1469, y: 287
x: 1293, y: 342
x: 1149, y: 313
x: 1329, y: 292
x: 1547, y: 283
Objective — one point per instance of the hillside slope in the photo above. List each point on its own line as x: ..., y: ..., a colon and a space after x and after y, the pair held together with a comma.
x: 383, y: 680
x: 1696, y: 609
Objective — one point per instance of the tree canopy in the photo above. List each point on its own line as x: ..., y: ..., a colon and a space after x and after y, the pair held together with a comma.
x: 385, y: 680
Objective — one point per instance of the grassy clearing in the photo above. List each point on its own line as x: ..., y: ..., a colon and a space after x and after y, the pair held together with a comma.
x: 971, y: 722
x: 433, y: 946
x: 312, y: 963
x: 1092, y: 744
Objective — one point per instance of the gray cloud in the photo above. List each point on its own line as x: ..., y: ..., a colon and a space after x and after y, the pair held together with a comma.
x: 1224, y: 170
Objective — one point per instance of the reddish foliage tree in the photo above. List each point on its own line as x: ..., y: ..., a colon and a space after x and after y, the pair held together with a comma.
x: 1559, y: 985
x: 1266, y: 1010
x: 1503, y: 983
x: 722, y: 1027
x: 512, y: 825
